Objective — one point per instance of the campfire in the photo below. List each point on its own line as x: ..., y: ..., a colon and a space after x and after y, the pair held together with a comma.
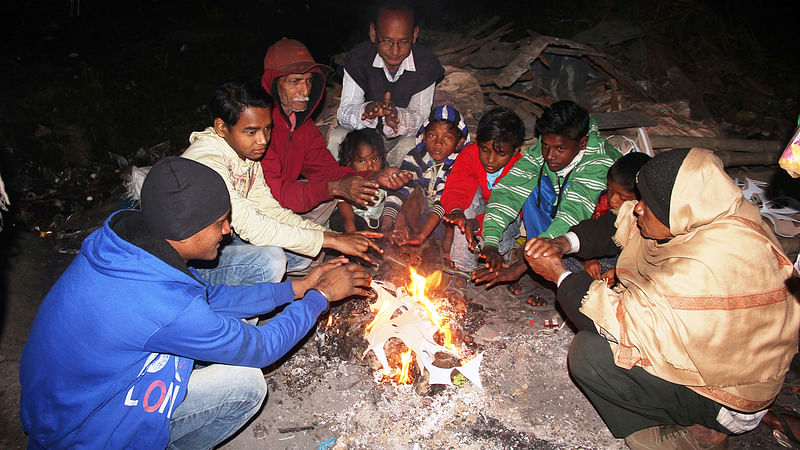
x: 408, y: 327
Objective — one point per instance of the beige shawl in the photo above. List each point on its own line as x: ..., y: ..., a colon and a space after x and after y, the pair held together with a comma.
x: 709, y: 309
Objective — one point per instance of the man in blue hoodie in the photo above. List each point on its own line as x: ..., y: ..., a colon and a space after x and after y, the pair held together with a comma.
x: 110, y: 357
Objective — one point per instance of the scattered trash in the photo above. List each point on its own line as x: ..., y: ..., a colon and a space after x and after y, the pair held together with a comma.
x: 259, y: 431
x: 327, y: 444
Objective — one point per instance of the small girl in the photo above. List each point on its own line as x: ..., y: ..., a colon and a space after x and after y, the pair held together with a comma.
x: 621, y: 181
x: 362, y: 150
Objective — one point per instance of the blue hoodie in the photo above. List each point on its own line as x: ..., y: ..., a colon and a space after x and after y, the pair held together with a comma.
x: 114, y: 342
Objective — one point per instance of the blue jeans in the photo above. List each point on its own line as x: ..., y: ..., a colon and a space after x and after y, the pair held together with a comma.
x: 220, y: 399
x: 463, y: 259
x: 243, y: 264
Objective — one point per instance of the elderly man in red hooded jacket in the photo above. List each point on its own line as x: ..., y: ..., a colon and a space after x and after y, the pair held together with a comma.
x: 298, y: 150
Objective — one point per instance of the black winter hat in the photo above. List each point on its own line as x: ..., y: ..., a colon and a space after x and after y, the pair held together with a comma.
x: 181, y: 197
x: 656, y: 179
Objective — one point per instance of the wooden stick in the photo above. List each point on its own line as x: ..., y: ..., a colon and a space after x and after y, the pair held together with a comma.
x: 505, y: 29
x: 545, y: 102
x: 747, y: 158
x: 740, y: 145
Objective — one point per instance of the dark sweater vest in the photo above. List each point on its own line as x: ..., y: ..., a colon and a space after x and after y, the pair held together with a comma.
x: 372, y: 80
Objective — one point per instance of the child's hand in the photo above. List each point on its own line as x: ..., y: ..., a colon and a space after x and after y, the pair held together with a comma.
x: 592, y: 267
x: 414, y: 239
x: 456, y: 218
x: 506, y: 273
x: 494, y: 260
x: 399, y: 235
x: 466, y: 226
x: 353, y: 244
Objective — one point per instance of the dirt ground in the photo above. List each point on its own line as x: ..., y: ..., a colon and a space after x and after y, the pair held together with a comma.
x: 528, y: 400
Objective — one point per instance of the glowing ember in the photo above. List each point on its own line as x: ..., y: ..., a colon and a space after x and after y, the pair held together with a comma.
x: 330, y: 321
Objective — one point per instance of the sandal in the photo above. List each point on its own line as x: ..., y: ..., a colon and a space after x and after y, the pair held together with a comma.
x: 535, y: 300
x: 458, y: 284
x: 454, y: 288
x: 780, y: 413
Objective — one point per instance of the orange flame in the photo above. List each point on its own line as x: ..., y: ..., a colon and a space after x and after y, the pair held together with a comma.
x: 330, y: 321
x: 381, y: 312
x: 402, y: 375
x: 418, y: 286
x: 405, y: 358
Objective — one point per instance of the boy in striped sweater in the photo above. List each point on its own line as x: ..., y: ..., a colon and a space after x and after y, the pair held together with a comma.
x: 414, y: 212
x: 556, y: 184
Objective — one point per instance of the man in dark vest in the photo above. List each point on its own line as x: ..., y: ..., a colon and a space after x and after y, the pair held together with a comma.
x: 388, y: 83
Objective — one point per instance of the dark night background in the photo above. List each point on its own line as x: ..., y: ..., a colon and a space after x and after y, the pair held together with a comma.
x: 129, y: 75
x: 88, y: 83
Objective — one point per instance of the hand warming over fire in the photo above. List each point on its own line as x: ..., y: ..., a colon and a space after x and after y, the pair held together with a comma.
x: 343, y: 281
x: 311, y: 280
x: 494, y: 260
x: 392, y: 177
x: 466, y: 226
x: 538, y: 247
x: 549, y: 267
x: 505, y: 274
x: 353, y: 244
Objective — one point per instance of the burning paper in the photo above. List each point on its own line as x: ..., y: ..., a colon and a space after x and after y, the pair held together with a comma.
x: 414, y: 319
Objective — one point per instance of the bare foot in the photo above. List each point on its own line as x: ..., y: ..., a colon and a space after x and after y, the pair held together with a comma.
x: 535, y: 300
x: 515, y: 288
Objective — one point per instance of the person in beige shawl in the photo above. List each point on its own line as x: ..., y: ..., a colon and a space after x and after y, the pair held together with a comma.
x: 695, y: 340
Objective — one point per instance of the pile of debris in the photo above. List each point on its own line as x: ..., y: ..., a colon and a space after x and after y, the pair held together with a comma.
x: 646, y: 112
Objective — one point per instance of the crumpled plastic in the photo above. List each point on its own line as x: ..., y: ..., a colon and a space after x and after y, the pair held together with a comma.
x: 790, y: 159
x: 412, y: 327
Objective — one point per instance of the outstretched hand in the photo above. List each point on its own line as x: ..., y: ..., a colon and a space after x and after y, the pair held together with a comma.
x: 549, y: 266
x: 390, y: 116
x: 539, y: 247
x: 302, y: 285
x: 504, y: 274
x: 385, y: 109
x: 466, y: 226
x: 355, y: 244
x: 356, y: 190
x: 392, y: 177
x: 494, y: 260
x: 344, y: 281
x: 371, y: 111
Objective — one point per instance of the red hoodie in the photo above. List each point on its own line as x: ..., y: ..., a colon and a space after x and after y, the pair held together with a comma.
x: 466, y: 177
x: 297, y: 152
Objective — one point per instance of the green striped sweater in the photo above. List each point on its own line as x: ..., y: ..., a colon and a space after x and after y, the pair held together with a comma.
x: 587, y: 181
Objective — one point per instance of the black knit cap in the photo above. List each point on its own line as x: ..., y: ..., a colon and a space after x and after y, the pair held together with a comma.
x: 656, y: 179
x: 181, y: 197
